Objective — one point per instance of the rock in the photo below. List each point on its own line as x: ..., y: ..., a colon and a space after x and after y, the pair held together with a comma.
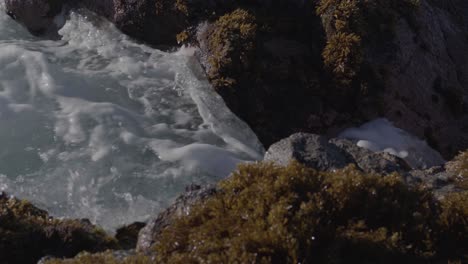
x: 278, y: 64
x: 321, y: 154
x: 264, y: 60
x: 36, y: 15
x: 154, y: 21
x: 182, y: 206
x: 425, y: 74
x: 127, y: 236
x: 317, y: 152
x: 314, y: 151
x: 369, y: 161
x: 28, y: 233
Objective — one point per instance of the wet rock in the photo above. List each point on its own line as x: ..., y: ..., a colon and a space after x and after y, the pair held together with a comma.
x: 36, y: 15
x: 28, y: 233
x: 182, y: 206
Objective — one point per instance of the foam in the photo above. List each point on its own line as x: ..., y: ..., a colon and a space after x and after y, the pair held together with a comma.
x: 380, y: 135
x: 100, y: 127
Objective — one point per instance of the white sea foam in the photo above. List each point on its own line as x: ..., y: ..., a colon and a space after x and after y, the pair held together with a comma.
x: 98, y: 126
x: 381, y: 136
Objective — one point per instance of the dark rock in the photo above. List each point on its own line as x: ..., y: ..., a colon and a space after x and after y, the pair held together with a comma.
x: 264, y: 60
x: 36, y: 15
x: 127, y: 236
x: 182, y: 206
x: 425, y: 74
x: 437, y: 179
x: 28, y: 233
x: 154, y: 21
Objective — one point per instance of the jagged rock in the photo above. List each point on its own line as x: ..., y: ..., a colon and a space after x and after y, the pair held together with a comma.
x: 425, y: 74
x: 28, y: 233
x: 314, y: 151
x: 154, y: 21
x: 317, y: 152
x: 181, y: 206
x: 127, y: 236
x: 369, y: 161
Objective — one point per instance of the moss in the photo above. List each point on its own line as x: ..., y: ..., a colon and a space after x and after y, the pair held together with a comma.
x: 459, y: 167
x: 453, y: 222
x: 231, y: 44
x: 28, y: 233
x: 269, y: 214
x: 102, y: 258
x: 353, y: 22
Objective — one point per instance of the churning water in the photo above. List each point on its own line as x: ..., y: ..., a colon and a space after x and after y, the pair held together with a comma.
x: 98, y: 126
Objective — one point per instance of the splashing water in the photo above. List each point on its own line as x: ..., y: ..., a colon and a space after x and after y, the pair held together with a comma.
x: 97, y: 126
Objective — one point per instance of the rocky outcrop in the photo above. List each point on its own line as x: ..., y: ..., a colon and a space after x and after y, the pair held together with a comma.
x: 182, y: 206
x: 319, y: 153
x: 424, y: 73
x: 322, y: 154
x: 399, y: 60
x: 317, y: 66
x: 36, y: 15
x: 127, y: 236
x: 28, y: 234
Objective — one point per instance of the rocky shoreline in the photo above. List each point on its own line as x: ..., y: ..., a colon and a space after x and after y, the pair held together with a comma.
x: 42, y: 236
x: 286, y: 67
x: 318, y: 66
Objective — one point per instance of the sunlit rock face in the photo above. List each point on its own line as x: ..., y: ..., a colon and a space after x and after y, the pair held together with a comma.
x: 97, y: 126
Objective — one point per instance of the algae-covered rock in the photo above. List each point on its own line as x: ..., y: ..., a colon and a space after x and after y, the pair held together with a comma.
x: 265, y: 213
x: 459, y: 168
x: 108, y: 257
x: 269, y: 214
x: 182, y: 206
x: 28, y: 233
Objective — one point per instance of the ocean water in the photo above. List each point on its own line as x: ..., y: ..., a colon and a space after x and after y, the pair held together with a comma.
x: 98, y: 126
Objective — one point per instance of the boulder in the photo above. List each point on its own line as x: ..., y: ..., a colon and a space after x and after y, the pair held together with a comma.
x: 28, y: 233
x: 36, y: 15
x: 182, y: 206
x: 322, y: 154
x: 314, y: 151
